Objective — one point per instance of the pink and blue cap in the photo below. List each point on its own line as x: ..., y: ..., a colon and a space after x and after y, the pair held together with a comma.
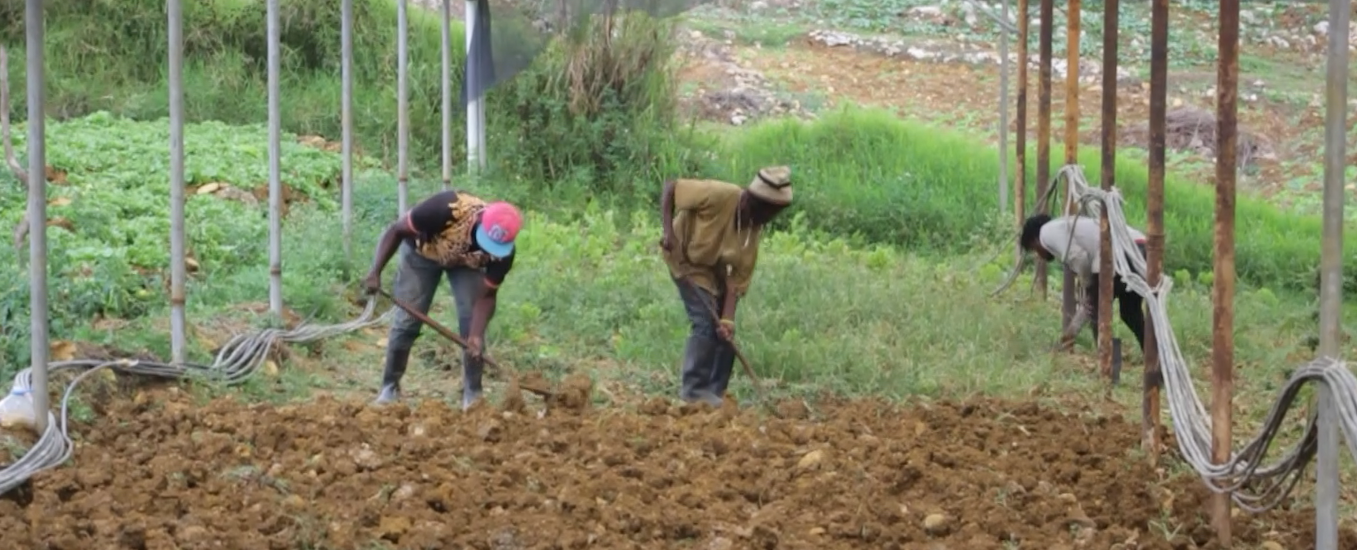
x: 498, y: 228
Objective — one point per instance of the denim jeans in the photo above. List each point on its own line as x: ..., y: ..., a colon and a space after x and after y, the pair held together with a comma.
x: 417, y: 280
x: 707, y: 359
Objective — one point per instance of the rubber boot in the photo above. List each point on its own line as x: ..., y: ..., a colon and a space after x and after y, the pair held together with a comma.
x: 396, y: 361
x: 472, y: 371
x: 699, y: 355
x: 722, y: 367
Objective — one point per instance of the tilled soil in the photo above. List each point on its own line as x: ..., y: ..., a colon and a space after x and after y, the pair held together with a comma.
x: 171, y: 473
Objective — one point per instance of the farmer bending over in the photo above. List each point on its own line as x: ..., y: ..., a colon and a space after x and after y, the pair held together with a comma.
x: 473, y: 243
x: 1050, y: 239
x: 711, y: 242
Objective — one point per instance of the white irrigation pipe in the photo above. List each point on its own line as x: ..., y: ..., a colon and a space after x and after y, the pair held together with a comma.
x: 239, y: 359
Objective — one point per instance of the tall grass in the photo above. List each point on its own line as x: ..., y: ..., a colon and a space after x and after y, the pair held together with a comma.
x: 864, y: 172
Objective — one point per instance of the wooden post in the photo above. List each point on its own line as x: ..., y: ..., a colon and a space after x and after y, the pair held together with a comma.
x: 1067, y: 287
x: 1108, y: 169
x: 1154, y: 227
x: 1222, y: 292
x: 1044, y: 126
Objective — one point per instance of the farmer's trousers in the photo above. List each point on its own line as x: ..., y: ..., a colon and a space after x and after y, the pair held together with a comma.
x: 1131, y: 305
x: 707, y: 359
x: 417, y: 280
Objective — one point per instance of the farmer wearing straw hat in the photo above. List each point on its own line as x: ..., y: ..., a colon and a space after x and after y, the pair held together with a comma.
x: 1077, y: 241
x: 470, y: 241
x: 711, y: 243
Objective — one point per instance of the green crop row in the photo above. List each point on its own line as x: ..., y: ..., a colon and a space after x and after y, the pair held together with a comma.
x: 108, y: 207
x: 608, y: 123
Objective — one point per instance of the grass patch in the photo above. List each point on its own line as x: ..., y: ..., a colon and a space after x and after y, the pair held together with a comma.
x: 748, y: 31
x: 823, y: 315
x: 865, y: 174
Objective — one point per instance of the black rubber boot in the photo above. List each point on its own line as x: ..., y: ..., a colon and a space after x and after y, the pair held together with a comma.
x: 722, y: 367
x: 396, y: 361
x: 695, y: 380
x: 472, y: 371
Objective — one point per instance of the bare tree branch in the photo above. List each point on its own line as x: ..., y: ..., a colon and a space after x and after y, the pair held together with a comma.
x: 20, y: 230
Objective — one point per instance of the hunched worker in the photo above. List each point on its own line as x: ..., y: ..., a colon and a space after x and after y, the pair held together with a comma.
x: 711, y: 244
x: 469, y: 240
x: 1051, y: 239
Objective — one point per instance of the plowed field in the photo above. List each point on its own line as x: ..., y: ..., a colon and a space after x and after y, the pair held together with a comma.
x: 173, y: 473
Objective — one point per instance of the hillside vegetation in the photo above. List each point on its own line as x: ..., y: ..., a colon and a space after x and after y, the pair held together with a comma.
x: 569, y: 149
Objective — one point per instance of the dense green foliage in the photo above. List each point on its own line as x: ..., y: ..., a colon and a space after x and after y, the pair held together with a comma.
x: 864, y: 172
x: 578, y: 128
x: 581, y: 124
x: 582, y: 111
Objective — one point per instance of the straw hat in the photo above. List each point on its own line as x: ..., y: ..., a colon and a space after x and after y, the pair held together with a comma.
x: 773, y: 185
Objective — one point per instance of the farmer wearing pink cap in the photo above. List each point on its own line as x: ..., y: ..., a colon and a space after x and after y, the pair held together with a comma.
x: 472, y: 242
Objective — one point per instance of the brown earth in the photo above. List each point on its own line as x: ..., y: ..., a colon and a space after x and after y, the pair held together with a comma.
x: 172, y: 473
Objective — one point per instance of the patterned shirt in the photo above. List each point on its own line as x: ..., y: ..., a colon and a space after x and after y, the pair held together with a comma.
x: 444, y: 227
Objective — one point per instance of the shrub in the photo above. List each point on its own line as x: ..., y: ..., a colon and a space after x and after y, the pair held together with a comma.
x: 599, y: 118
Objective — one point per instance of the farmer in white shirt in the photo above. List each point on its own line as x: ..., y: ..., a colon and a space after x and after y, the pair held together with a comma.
x: 1075, y: 241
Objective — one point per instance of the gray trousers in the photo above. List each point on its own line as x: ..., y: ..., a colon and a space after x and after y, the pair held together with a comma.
x: 707, y: 359
x: 417, y: 280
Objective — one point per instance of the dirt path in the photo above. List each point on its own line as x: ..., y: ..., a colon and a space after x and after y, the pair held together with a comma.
x: 331, y: 474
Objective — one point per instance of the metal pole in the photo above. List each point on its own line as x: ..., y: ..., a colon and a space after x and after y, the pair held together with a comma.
x: 178, y: 270
x: 447, y: 94
x: 1222, y: 292
x: 402, y: 106
x: 482, y: 159
x: 1154, y: 227
x: 1331, y: 271
x: 37, y: 212
x: 1020, y: 147
x: 1003, y: 113
x: 1108, y: 170
x: 1044, y: 125
x: 275, y: 175
x: 1067, y: 301
x: 346, y: 123
x: 473, y: 111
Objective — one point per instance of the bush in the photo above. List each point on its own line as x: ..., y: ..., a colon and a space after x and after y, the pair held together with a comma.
x: 864, y: 172
x: 600, y: 119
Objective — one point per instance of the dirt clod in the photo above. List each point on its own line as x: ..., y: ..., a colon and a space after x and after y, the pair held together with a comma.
x: 937, y: 524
